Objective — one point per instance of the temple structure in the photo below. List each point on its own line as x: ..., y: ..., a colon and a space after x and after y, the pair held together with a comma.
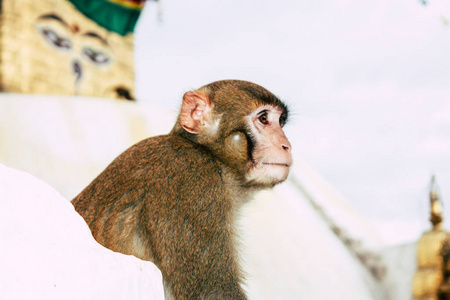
x: 432, y: 279
x: 68, y: 47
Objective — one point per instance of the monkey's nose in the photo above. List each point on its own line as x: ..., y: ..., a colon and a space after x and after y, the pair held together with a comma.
x: 286, y: 148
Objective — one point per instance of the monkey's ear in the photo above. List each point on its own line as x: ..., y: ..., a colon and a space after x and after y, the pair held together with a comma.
x: 194, y: 111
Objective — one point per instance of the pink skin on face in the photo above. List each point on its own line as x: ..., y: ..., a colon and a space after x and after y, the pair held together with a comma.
x: 272, y: 155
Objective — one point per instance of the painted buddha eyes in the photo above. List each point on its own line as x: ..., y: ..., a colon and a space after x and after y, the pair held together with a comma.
x: 95, y: 57
x: 56, y: 40
x: 53, y: 38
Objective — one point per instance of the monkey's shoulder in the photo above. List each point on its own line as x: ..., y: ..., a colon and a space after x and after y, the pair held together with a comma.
x: 172, y: 167
x: 166, y: 151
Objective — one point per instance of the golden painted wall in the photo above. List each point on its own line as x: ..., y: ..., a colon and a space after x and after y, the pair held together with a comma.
x: 49, y: 47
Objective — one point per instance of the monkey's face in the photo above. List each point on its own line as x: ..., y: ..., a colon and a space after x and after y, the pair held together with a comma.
x: 242, y: 125
x: 271, y: 154
x: 256, y: 146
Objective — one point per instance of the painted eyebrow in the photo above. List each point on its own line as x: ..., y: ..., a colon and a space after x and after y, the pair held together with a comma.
x: 56, y: 18
x: 53, y: 17
x: 94, y: 35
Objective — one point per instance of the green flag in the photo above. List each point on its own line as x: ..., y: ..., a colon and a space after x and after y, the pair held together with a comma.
x: 115, y: 15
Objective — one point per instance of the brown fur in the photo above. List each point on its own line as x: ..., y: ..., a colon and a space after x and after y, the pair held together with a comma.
x: 172, y: 199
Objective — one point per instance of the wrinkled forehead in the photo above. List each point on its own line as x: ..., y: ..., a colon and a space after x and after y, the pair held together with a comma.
x: 242, y: 98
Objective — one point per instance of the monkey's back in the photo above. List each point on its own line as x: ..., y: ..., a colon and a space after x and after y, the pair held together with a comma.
x: 141, y: 203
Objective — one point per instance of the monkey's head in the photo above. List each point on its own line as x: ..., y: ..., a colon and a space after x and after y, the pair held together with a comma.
x: 240, y: 123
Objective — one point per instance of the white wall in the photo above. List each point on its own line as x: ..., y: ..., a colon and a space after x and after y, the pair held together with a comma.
x: 288, y: 249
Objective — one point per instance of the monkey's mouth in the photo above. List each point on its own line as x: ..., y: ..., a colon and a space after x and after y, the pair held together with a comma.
x: 277, y: 164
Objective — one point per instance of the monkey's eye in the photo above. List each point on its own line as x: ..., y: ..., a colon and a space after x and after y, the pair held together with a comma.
x: 263, y: 119
x: 282, y: 121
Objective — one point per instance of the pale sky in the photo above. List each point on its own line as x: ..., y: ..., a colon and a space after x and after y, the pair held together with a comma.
x: 368, y: 84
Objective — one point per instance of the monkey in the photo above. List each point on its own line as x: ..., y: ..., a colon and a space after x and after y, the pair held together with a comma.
x: 173, y: 199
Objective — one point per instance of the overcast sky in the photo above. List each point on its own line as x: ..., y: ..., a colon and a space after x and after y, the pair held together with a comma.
x: 368, y: 83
